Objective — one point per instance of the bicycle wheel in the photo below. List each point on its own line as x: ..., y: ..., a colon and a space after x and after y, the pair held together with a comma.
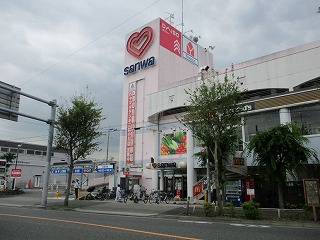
x: 125, y: 199
x: 136, y: 199
x: 145, y: 199
x: 166, y: 199
x: 150, y: 198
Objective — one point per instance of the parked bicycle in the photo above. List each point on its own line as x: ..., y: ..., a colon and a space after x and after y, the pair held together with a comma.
x: 136, y: 197
x: 160, y: 196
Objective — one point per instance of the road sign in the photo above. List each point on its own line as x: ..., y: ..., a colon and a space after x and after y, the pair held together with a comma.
x: 77, y: 170
x: 16, y: 173
x: 105, y: 170
x: 59, y: 170
x: 9, y: 100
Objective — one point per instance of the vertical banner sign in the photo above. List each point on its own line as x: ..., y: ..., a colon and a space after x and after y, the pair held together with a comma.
x: 131, y: 122
x: 170, y: 38
x: 190, y: 51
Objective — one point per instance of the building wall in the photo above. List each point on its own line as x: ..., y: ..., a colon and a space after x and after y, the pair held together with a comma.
x: 169, y: 68
x: 161, y: 96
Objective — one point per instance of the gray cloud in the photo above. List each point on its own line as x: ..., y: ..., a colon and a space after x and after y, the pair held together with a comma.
x: 56, y: 49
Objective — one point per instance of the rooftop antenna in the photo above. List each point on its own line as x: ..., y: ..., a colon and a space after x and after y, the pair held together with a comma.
x: 188, y: 31
x: 171, y: 16
x: 182, y: 23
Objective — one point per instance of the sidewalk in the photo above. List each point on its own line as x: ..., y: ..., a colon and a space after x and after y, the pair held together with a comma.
x: 32, y: 198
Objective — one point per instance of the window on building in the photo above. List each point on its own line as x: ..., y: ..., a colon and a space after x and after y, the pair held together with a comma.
x: 38, y: 153
x: 30, y: 152
x: 260, y: 122
x: 4, y: 149
x: 308, y: 118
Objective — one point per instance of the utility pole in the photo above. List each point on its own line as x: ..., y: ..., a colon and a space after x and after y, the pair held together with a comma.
x: 109, y: 130
x: 15, y: 167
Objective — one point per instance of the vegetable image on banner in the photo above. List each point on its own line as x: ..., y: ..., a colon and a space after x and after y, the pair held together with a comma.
x: 175, y: 143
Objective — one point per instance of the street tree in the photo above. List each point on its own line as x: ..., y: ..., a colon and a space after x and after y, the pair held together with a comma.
x: 213, y: 114
x: 279, y: 151
x: 77, y: 132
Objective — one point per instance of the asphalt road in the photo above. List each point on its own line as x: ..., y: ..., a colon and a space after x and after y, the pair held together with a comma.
x: 36, y: 223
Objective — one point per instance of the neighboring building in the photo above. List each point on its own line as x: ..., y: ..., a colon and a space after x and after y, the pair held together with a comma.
x: 31, y: 161
x: 160, y: 63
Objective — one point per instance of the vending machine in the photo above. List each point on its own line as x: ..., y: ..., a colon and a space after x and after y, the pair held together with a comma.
x: 234, y: 190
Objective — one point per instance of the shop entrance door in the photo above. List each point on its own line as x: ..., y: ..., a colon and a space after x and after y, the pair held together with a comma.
x: 37, y: 181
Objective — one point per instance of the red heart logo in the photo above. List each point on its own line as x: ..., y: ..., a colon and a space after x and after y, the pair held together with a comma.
x: 139, y: 42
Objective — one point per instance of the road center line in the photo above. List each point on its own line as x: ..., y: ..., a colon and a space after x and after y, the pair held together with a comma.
x: 99, y: 225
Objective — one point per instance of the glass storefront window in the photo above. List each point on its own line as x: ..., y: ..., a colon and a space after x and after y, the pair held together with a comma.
x: 260, y: 122
x: 308, y: 118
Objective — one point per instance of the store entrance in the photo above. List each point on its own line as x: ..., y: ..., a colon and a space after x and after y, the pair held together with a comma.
x: 177, y: 185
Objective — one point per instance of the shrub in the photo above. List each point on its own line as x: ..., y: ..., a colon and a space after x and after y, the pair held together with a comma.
x: 208, y: 209
x: 230, y: 209
x: 251, y: 210
x: 308, y: 211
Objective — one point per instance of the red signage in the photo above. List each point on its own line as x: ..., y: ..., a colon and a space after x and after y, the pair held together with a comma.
x: 16, y: 173
x: 131, y: 122
x: 139, y: 42
x: 170, y: 38
x: 197, y: 189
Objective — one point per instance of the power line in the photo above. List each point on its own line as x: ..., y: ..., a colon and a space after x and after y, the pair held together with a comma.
x: 88, y: 44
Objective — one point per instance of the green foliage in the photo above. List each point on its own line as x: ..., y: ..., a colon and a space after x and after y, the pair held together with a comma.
x: 308, y: 211
x: 208, y: 209
x: 230, y: 209
x: 77, y: 128
x: 213, y: 113
x: 78, y: 131
x: 9, y: 156
x: 251, y: 210
x: 280, y: 150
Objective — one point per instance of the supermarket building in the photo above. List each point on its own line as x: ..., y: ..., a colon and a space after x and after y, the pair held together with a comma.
x: 160, y: 63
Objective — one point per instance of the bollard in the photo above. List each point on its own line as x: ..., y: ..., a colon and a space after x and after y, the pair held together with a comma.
x: 188, y: 202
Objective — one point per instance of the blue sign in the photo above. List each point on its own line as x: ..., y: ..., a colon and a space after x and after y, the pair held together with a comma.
x: 59, y: 170
x: 105, y: 170
x: 77, y: 170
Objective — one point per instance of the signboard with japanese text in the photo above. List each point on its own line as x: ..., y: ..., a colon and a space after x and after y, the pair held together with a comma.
x: 131, y: 122
x: 190, y: 51
x: 311, y: 192
x: 170, y: 38
x: 16, y: 173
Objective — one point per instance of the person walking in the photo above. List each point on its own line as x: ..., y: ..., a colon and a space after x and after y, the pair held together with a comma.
x: 118, y: 193
x: 76, y: 186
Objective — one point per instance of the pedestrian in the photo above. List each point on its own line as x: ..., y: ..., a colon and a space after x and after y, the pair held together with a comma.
x: 118, y: 193
x: 76, y: 186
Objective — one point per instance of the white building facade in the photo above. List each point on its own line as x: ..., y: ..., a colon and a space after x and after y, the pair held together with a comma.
x: 160, y: 64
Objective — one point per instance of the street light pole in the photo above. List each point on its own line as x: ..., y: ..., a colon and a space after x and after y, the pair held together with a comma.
x: 109, y: 130
x: 15, y: 167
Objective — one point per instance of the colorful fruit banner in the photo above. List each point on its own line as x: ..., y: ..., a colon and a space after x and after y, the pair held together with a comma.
x: 175, y: 143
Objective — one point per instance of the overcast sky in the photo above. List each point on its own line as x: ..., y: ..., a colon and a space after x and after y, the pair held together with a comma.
x: 57, y: 49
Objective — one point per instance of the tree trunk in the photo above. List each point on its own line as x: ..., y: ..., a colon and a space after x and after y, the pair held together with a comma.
x: 280, y: 194
x: 66, y: 199
x: 216, y: 169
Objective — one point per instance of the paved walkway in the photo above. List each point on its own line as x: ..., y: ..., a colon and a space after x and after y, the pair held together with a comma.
x: 32, y: 198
